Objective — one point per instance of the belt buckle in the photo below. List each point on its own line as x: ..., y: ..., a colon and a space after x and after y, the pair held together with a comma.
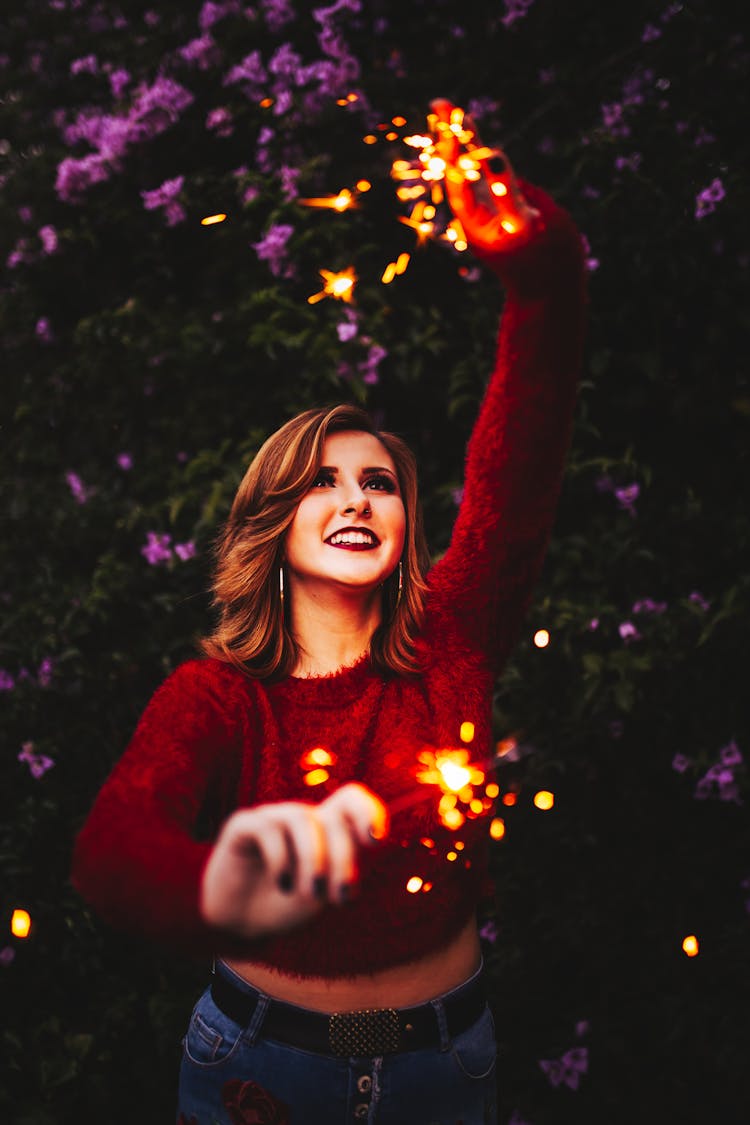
x: 367, y: 1032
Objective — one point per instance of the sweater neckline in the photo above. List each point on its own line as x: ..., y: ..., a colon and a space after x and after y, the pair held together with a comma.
x: 344, y: 684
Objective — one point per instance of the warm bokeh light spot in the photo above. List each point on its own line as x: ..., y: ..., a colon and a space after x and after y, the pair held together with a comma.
x: 211, y: 220
x: 370, y: 139
x: 497, y: 828
x: 398, y: 121
x: 266, y: 103
x: 459, y: 845
x: 426, y: 887
x: 427, y: 842
x: 363, y: 185
x: 508, y: 226
x: 451, y: 856
x: 20, y: 923
x: 476, y: 806
x: 467, y: 731
x: 492, y: 790
x: 453, y: 818
x: 691, y: 946
x: 316, y: 777
x: 544, y: 799
x: 454, y: 775
x: 541, y: 637
x: 509, y: 799
x: 499, y: 188
x: 317, y: 757
x: 414, y: 884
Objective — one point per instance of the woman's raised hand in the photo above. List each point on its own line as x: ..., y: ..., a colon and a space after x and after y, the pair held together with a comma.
x: 274, y: 866
x: 493, y: 211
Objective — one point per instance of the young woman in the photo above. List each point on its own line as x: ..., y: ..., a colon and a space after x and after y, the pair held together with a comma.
x: 337, y: 994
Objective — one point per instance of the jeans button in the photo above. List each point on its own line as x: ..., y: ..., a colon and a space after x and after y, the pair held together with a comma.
x: 364, y: 1084
x: 361, y: 1110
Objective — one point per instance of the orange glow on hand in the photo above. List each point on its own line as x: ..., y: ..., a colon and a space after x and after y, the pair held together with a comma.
x: 20, y: 923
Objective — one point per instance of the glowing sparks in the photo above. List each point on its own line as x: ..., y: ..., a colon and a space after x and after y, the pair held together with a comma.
x: 20, y: 923
x: 316, y: 777
x: 211, y: 220
x: 497, y: 828
x: 414, y: 884
x: 544, y: 799
x: 691, y: 946
x: 338, y: 285
x: 316, y: 757
x: 466, y: 734
x: 343, y: 201
x: 541, y: 638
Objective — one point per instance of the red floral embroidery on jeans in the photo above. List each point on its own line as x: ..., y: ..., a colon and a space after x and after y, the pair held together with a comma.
x: 249, y: 1104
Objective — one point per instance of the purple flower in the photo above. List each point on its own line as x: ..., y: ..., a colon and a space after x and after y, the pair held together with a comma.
x: 159, y: 106
x: 81, y: 492
x: 272, y: 248
x: 89, y: 64
x: 165, y: 196
x: 125, y: 461
x: 489, y: 932
x: 211, y: 13
x: 38, y: 763
x: 157, y: 548
x: 591, y: 262
x: 277, y: 13
x: 632, y: 163
x: 203, y: 51
x: 346, y: 330
x: 74, y: 176
x: 697, y: 598
x: 185, y: 551
x: 289, y: 177
x: 706, y: 200
x: 648, y: 605
x: 7, y: 954
x: 25, y: 214
x: 568, y: 1068
x: 48, y: 237
x: 650, y: 32
x: 250, y: 70
x: 680, y: 763
x: 627, y: 496
x: 118, y: 80
x: 582, y: 1028
x: 593, y: 624
x: 369, y: 368
x: 250, y: 194
x: 730, y: 754
x: 44, y: 672
x: 43, y: 330
x: 7, y: 683
x: 18, y: 254
x: 515, y: 10
x: 628, y: 632
x: 457, y: 495
x: 220, y: 120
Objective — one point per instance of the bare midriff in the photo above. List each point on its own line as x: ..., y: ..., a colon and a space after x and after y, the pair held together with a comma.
x: 399, y: 987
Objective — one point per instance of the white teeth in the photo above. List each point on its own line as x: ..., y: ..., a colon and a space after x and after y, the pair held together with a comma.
x: 351, y: 537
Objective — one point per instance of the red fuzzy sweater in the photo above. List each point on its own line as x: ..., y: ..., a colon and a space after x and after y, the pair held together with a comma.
x: 212, y: 739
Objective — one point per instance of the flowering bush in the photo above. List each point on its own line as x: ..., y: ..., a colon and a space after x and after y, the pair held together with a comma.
x: 147, y: 354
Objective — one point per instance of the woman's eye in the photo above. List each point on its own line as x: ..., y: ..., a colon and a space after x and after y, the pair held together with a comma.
x: 323, y: 480
x: 381, y: 483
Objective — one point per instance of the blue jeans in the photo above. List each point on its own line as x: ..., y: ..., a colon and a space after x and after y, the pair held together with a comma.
x: 232, y: 1075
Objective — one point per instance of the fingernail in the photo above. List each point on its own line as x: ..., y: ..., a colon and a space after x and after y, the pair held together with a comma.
x: 320, y: 886
x: 285, y: 882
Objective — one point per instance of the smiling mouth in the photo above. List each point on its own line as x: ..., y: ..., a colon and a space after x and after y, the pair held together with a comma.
x: 353, y: 539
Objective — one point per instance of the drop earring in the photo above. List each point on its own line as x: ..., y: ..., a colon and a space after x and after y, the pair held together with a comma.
x: 281, y: 586
x: 400, y: 582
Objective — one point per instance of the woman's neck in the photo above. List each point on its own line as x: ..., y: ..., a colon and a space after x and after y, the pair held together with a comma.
x: 332, y: 631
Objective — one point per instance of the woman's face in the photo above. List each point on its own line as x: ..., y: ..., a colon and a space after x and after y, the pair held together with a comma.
x: 349, y: 529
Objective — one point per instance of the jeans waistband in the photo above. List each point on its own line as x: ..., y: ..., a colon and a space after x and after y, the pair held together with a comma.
x: 367, y: 1032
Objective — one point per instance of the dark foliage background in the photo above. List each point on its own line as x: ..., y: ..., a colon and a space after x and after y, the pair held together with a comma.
x: 147, y: 356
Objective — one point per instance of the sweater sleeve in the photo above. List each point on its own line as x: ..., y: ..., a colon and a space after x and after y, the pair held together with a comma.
x: 516, y: 453
x: 137, y: 860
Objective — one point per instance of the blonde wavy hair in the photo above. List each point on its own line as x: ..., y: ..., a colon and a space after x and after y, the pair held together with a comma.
x: 252, y: 631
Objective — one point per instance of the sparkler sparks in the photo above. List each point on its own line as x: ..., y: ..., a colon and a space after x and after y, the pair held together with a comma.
x: 339, y: 285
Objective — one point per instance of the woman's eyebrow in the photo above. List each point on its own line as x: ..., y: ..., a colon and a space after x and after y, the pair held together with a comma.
x: 364, y: 471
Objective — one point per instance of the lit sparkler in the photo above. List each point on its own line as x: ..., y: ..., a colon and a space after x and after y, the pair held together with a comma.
x: 339, y: 285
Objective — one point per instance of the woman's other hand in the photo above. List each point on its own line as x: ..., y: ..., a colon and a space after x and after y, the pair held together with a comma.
x: 274, y: 866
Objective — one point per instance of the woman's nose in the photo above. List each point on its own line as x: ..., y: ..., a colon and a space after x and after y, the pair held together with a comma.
x: 356, y: 502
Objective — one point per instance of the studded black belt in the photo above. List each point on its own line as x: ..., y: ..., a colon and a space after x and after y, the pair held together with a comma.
x: 360, y: 1034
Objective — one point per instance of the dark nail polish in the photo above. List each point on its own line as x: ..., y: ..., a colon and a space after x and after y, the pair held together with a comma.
x: 320, y: 886
x: 285, y: 882
x: 496, y: 164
